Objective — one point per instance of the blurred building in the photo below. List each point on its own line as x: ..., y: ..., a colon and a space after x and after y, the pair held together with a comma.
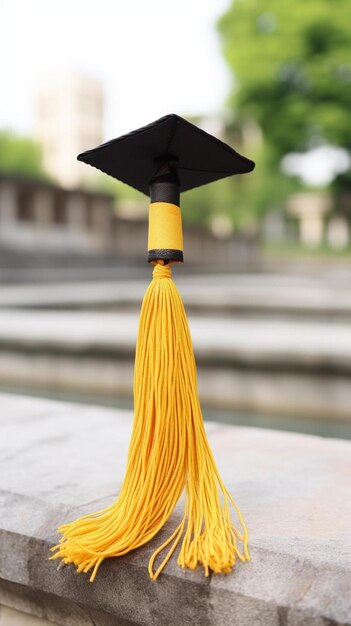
x: 318, y: 222
x: 69, y: 114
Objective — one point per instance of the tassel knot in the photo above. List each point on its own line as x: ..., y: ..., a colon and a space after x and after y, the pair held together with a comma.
x: 162, y: 271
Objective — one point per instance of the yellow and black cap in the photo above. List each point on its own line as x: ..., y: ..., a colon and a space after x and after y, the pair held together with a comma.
x: 161, y: 160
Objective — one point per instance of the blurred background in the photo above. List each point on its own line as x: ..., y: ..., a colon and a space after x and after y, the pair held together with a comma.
x: 266, y: 278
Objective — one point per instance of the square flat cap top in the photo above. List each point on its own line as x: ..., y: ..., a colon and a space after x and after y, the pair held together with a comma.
x: 201, y: 158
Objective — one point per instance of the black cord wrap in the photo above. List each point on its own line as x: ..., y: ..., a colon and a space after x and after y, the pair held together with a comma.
x: 164, y: 187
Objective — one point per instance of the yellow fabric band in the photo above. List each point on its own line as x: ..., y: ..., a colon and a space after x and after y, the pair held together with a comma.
x: 165, y: 227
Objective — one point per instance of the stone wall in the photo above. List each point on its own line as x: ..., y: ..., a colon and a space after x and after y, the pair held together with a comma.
x: 39, y: 218
x: 36, y: 216
x: 61, y: 460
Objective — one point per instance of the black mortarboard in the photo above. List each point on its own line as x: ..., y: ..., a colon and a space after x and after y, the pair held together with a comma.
x: 199, y: 157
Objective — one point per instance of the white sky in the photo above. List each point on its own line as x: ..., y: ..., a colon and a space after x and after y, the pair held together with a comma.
x: 153, y: 56
x: 318, y: 166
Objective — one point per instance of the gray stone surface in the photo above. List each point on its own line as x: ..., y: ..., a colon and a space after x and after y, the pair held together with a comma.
x: 59, y: 460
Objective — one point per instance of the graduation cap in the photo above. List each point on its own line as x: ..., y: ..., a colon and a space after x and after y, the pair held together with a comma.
x: 169, y: 452
x: 137, y: 157
x: 163, y: 159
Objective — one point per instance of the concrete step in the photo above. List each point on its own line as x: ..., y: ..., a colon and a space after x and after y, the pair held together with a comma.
x: 320, y: 347
x: 248, y: 296
x: 276, y: 367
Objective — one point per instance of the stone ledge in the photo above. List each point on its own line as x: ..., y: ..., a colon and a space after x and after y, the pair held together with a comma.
x: 293, y: 490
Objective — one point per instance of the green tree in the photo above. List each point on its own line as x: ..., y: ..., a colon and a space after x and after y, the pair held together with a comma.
x: 291, y: 71
x: 20, y: 155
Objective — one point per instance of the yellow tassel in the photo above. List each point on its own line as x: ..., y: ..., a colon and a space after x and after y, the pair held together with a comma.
x: 169, y: 453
